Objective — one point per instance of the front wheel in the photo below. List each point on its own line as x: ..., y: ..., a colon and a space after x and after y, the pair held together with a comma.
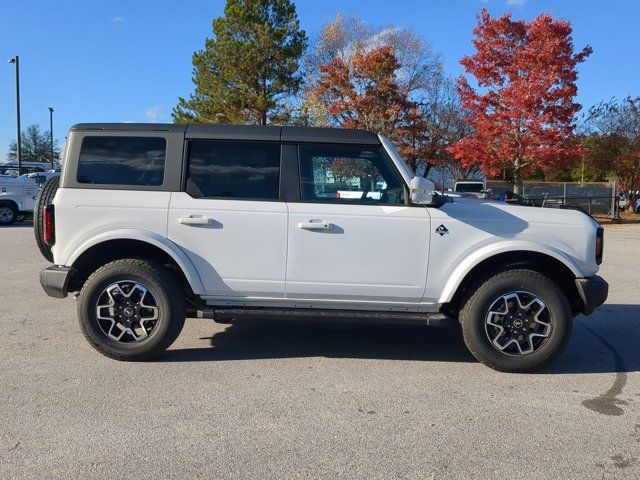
x: 131, y: 309
x: 517, y: 321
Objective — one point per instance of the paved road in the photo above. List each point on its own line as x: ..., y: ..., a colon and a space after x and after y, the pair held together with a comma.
x: 285, y: 400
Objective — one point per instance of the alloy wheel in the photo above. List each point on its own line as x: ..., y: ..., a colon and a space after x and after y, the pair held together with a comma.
x: 127, y: 311
x: 518, y: 323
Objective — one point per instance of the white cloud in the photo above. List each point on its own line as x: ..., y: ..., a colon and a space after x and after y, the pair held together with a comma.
x: 153, y: 114
x: 117, y: 19
x: 518, y: 3
x: 128, y: 121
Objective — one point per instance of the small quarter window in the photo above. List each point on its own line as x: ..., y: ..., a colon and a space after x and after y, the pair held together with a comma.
x: 234, y: 170
x: 122, y: 160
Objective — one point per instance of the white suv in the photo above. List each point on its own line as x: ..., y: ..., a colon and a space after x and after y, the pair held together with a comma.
x: 154, y: 223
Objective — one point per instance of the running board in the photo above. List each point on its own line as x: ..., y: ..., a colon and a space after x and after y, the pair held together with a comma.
x: 229, y: 314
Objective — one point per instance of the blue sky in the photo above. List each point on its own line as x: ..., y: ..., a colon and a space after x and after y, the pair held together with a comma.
x: 115, y: 61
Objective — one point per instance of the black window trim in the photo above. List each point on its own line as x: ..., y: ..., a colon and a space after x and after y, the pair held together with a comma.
x: 123, y: 186
x: 385, y: 156
x: 185, y: 168
x: 174, y: 141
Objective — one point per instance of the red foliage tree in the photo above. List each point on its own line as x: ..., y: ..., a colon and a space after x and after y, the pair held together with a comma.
x: 522, y: 113
x: 364, y: 94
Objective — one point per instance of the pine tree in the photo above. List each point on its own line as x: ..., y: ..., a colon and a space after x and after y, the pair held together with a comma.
x: 249, y: 68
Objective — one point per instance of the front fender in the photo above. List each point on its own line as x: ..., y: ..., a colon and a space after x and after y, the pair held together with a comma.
x: 468, y: 262
x: 163, y: 243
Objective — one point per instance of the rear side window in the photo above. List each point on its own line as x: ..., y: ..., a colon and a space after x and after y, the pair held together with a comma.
x: 122, y: 161
x: 233, y: 169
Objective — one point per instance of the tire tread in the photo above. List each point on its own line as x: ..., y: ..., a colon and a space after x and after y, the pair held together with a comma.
x: 177, y: 301
x: 45, y: 197
x: 475, y: 296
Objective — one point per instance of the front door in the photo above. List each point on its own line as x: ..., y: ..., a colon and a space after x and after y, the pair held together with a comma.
x: 230, y: 221
x: 352, y: 237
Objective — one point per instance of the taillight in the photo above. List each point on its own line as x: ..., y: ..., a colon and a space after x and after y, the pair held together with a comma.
x: 337, y: 194
x: 48, y: 225
x: 599, y: 245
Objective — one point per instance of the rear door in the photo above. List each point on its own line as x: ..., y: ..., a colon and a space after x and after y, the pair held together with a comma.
x: 230, y: 220
x: 352, y: 235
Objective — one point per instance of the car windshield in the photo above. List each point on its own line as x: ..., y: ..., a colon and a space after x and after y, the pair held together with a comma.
x: 469, y: 187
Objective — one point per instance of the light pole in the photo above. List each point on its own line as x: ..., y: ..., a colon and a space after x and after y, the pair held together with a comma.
x: 16, y: 61
x: 51, y: 133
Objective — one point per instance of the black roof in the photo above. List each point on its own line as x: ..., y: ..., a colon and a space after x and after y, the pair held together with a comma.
x: 243, y: 132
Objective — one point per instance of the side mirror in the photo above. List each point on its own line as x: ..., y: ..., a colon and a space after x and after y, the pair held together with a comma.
x: 422, y: 191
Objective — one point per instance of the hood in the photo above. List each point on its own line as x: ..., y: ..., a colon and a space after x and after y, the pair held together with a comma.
x: 499, y: 212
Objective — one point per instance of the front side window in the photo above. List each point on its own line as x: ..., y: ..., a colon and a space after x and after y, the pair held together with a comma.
x: 122, y: 161
x: 233, y: 170
x: 348, y: 174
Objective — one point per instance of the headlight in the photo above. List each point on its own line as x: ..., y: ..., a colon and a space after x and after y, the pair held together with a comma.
x: 599, y: 245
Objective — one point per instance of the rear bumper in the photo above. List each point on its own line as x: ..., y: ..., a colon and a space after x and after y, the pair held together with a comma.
x: 55, y: 280
x: 593, y: 292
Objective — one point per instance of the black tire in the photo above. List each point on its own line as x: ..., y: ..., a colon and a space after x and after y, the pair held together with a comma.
x: 45, y: 197
x: 8, y: 213
x: 475, y: 311
x: 170, y: 300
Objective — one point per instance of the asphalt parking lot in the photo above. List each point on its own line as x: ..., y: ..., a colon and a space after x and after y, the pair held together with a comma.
x: 290, y: 400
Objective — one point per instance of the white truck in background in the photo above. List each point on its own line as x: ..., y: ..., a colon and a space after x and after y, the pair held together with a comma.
x: 18, y: 195
x: 477, y: 188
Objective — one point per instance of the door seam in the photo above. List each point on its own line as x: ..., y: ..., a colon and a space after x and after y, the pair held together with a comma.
x: 286, y: 255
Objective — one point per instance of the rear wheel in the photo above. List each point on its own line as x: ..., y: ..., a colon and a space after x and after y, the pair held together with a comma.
x: 516, y: 321
x: 8, y: 214
x: 45, y: 197
x: 131, y: 309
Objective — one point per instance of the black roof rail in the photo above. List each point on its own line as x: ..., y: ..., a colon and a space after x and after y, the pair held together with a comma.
x: 244, y: 132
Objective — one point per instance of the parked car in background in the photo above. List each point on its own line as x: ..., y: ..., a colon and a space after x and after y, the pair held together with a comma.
x: 11, y: 168
x: 477, y: 188
x: 18, y: 195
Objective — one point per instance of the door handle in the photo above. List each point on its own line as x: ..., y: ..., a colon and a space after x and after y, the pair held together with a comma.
x: 194, y: 220
x: 314, y: 225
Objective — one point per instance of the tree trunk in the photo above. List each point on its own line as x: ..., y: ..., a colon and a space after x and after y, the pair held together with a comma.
x: 517, y: 178
x: 427, y: 169
x: 262, y: 117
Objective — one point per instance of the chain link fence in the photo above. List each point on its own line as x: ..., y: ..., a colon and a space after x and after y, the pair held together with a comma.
x: 595, y: 198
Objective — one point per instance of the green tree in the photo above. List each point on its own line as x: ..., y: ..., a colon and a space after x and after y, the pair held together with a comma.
x: 35, y: 146
x: 250, y: 67
x: 615, y: 140
x: 594, y: 164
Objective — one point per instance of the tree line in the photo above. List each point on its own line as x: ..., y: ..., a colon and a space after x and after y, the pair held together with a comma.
x: 513, y: 115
